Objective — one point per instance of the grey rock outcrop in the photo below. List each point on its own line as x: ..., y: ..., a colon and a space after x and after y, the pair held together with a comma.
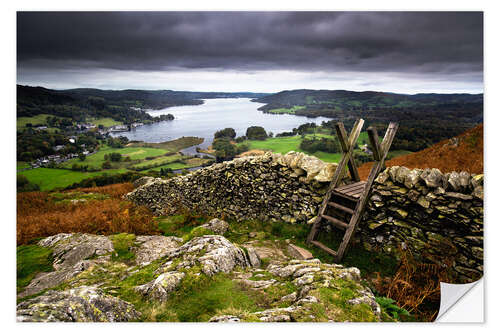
x: 71, y: 253
x: 212, y: 253
x: 162, y: 286
x: 83, y: 304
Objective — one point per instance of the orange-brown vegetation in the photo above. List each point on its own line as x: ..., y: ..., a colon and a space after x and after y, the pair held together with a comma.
x: 462, y: 153
x: 40, y: 215
x: 415, y: 286
x: 115, y: 190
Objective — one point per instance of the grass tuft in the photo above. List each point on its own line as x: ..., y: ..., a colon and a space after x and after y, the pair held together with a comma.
x: 31, y: 260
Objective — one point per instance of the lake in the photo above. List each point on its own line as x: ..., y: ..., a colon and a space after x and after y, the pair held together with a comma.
x: 215, y: 114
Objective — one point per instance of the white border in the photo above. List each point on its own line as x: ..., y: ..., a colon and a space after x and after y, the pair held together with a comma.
x: 492, y: 111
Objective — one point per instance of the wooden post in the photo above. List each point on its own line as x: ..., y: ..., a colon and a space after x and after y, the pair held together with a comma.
x: 373, y: 136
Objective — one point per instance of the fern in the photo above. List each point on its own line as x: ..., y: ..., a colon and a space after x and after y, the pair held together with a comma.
x: 390, y: 306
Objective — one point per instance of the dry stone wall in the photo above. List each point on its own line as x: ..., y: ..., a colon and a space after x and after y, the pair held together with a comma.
x: 437, y: 216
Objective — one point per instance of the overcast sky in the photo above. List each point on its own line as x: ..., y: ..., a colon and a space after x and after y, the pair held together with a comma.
x: 252, y: 51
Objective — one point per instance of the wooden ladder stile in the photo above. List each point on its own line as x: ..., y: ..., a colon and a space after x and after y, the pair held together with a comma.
x: 357, y: 191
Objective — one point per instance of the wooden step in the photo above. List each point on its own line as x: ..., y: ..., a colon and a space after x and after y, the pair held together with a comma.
x: 336, y: 222
x: 343, y: 208
x: 353, y: 190
x: 324, y: 248
x: 351, y: 186
x: 345, y: 196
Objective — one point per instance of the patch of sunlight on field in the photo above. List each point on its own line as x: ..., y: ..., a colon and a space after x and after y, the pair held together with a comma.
x: 49, y: 179
x: 135, y: 153
x: 106, y: 122
x: 286, y: 144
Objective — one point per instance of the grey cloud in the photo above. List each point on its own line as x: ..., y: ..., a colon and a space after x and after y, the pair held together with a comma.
x: 437, y: 42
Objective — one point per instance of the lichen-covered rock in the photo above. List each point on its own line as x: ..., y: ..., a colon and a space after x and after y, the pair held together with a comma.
x: 84, y: 304
x: 217, y: 254
x: 151, y: 248
x: 219, y: 227
x: 69, y: 249
x: 432, y: 177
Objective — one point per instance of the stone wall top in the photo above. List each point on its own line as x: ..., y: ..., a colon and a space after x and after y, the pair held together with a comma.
x: 462, y: 185
x: 307, y: 168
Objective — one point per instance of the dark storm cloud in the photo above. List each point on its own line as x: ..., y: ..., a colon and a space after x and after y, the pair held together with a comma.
x: 437, y: 42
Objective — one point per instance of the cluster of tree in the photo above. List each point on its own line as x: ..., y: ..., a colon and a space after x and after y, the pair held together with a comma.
x: 225, y: 133
x: 305, y: 128
x: 225, y: 150
x: 118, y: 142
x: 164, y: 117
x: 314, y: 144
x: 24, y: 185
x: 113, y: 157
x: 77, y: 167
x: 256, y: 133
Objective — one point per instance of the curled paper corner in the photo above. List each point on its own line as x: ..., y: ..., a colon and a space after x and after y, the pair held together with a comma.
x: 461, y: 302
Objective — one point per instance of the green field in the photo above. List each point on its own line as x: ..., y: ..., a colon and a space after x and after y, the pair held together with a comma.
x: 189, y: 163
x: 49, y: 179
x: 174, y: 145
x: 289, y: 110
x: 106, y: 122
x: 135, y: 153
x: 285, y: 144
x: 161, y: 160
x: 40, y: 119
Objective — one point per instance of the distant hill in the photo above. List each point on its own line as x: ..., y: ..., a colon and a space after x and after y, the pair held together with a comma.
x: 32, y: 101
x: 326, y: 102
x: 461, y: 153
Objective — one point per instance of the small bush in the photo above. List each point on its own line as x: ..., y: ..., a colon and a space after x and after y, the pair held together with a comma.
x: 106, y: 165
